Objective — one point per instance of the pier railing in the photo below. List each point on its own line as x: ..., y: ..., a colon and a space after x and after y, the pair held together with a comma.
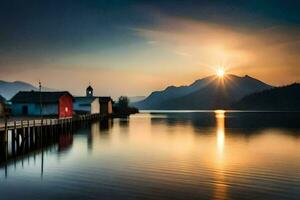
x: 26, y: 123
x: 23, y: 136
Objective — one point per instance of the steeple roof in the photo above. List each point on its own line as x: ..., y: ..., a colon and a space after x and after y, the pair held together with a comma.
x: 89, y: 87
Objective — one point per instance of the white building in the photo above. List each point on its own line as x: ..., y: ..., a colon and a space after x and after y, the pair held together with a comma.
x: 88, y: 104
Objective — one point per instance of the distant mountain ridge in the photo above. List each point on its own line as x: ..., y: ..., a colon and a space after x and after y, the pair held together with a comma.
x: 2, y: 99
x: 286, y: 98
x: 136, y: 98
x: 171, y: 92
x: 207, y: 93
x: 9, y: 89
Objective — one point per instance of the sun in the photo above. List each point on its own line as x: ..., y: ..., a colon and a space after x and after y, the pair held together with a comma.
x: 220, y: 72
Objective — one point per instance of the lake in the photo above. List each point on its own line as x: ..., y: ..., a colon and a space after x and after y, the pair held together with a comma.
x: 166, y: 155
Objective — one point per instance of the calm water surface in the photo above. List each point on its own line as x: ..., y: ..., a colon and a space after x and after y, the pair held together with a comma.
x: 191, y: 155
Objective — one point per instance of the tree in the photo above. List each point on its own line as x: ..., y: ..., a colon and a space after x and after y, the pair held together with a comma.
x: 123, y: 102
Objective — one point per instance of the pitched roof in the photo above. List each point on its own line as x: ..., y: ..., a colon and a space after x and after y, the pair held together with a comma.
x: 36, y: 97
x: 89, y: 88
x: 85, y: 99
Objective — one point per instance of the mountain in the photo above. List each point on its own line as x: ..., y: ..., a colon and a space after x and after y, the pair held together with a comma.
x: 207, y: 93
x: 2, y: 99
x: 154, y: 100
x: 136, y: 98
x: 286, y: 98
x: 9, y: 89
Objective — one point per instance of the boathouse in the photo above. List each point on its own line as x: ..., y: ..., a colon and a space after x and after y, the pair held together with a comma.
x: 35, y: 103
x: 91, y: 104
x: 105, y: 105
x: 88, y: 104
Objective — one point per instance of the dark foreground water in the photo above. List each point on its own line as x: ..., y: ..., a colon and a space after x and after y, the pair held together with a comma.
x: 185, y: 156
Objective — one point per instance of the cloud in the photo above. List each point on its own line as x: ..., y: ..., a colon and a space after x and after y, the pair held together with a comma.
x: 270, y: 53
x: 170, y: 51
x: 181, y: 53
x: 152, y: 42
x: 106, y: 81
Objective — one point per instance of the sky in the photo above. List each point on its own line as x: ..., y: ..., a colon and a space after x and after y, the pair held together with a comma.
x: 133, y: 47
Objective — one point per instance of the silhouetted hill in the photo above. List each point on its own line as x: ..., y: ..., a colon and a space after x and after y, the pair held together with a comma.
x: 9, y: 89
x: 207, y: 93
x: 154, y: 100
x: 2, y: 99
x: 136, y: 98
x: 285, y: 98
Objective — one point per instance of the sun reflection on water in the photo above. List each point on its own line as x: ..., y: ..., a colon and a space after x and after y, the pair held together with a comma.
x: 220, y: 191
x: 220, y: 120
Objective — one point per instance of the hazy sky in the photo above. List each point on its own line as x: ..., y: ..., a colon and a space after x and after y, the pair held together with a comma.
x: 133, y: 47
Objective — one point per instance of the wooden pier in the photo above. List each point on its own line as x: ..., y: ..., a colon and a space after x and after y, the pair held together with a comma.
x: 23, y: 136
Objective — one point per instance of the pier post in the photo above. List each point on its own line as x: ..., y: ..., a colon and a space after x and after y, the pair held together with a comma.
x: 31, y: 129
x: 3, y: 146
x: 13, y: 139
x: 18, y: 133
x: 26, y: 135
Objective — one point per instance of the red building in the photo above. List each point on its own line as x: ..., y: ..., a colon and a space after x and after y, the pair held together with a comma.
x: 65, y: 105
x: 59, y: 104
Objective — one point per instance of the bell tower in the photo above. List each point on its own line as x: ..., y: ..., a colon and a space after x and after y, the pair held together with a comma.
x: 89, y: 91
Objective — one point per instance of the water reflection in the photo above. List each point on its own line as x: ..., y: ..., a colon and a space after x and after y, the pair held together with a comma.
x: 35, y: 152
x: 220, y: 190
x: 220, y: 120
x: 65, y: 142
x: 164, y: 156
x: 106, y: 124
x: 250, y: 122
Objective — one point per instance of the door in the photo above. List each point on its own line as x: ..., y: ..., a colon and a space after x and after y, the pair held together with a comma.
x: 25, y: 110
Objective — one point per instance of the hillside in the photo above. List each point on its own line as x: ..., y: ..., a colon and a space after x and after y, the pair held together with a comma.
x: 9, y: 89
x: 207, y: 93
x: 2, y: 99
x: 134, y: 99
x: 155, y: 99
x: 285, y: 98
